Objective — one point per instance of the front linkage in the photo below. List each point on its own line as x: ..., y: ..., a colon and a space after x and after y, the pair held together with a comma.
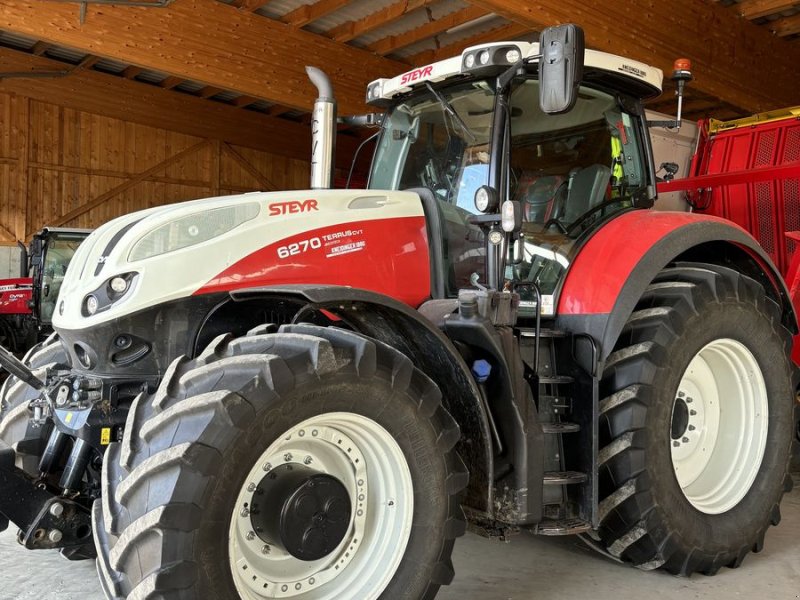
x: 69, y: 424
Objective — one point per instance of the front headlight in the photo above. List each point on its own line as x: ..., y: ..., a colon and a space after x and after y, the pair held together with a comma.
x: 108, y: 294
x: 192, y: 229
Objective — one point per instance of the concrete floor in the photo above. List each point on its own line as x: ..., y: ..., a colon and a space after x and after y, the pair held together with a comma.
x: 527, y: 568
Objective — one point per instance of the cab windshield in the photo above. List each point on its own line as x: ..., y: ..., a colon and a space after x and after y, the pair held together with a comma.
x: 438, y: 140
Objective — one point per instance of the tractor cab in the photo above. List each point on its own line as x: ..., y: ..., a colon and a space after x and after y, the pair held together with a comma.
x: 482, y: 121
x: 50, y: 253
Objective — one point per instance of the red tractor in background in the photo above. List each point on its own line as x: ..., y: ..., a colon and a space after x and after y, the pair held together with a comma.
x: 28, y: 301
x: 306, y: 394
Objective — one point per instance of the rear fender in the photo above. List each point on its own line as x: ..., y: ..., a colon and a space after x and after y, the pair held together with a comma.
x: 391, y: 322
x: 613, y: 269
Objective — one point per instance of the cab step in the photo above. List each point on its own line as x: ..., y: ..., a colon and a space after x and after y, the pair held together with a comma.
x: 560, y: 427
x: 562, y: 527
x: 563, y: 477
x: 556, y: 379
x: 545, y: 333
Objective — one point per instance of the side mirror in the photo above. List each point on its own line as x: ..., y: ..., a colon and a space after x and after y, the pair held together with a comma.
x: 560, y: 67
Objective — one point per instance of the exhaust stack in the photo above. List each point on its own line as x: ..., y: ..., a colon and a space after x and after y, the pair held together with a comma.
x: 323, y: 123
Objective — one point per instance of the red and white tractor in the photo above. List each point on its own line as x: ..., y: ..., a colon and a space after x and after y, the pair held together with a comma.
x: 306, y: 394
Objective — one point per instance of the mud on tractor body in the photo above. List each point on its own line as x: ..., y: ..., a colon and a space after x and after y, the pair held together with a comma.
x: 307, y: 394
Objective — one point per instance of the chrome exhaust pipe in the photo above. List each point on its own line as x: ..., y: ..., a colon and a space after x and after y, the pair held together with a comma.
x: 323, y: 138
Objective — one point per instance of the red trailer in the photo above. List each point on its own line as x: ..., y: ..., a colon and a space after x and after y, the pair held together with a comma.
x: 748, y: 171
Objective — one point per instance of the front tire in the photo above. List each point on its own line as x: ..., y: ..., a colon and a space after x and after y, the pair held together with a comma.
x: 696, y: 423
x: 16, y: 429
x: 191, y: 493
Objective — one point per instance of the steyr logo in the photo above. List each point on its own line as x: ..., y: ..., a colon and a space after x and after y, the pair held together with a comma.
x: 293, y: 206
x: 416, y: 74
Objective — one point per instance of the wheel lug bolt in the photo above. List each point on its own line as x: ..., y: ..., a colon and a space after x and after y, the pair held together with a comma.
x: 685, y: 440
x: 265, y: 549
x: 251, y: 487
x: 307, y: 460
x: 245, y: 511
x: 691, y: 428
x: 267, y: 467
x: 251, y: 535
x: 287, y: 457
x: 689, y: 400
x: 692, y: 412
x: 676, y: 443
x: 681, y: 394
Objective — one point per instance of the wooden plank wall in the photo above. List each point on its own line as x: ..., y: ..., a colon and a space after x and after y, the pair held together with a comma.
x: 60, y: 166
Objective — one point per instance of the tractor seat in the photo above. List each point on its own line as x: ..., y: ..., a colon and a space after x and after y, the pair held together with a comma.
x: 587, y: 189
x: 536, y: 195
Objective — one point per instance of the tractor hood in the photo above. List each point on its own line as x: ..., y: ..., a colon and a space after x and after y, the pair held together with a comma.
x: 372, y: 239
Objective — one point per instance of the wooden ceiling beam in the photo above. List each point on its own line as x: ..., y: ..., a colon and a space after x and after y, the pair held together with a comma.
x: 113, y: 96
x: 278, y: 110
x: 509, y: 31
x: 754, y: 9
x: 733, y: 59
x: 309, y: 13
x: 40, y: 48
x: 209, y: 91
x: 131, y: 72
x: 171, y: 82
x: 352, y: 29
x: 243, y: 101
x: 393, y: 43
x: 211, y: 43
x: 786, y: 26
x: 88, y: 61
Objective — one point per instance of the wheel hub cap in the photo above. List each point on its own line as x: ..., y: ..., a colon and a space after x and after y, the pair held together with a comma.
x: 306, y: 512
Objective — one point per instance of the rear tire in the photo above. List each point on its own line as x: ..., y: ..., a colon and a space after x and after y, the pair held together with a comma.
x: 179, y: 488
x: 696, y: 423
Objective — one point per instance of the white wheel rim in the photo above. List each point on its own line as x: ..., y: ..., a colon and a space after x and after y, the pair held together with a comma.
x: 720, y: 419
x: 367, y: 460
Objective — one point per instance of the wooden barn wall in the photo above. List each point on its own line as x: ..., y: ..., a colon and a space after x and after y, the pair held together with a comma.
x: 65, y: 167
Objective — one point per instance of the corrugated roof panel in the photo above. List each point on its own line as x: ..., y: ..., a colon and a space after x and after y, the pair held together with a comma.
x: 65, y: 54
x: 151, y: 76
x: 355, y: 11
x: 261, y: 106
x: 278, y: 8
x: 429, y: 44
x: 16, y: 40
x: 767, y: 19
x: 456, y: 35
x: 225, y: 96
x: 189, y: 86
x: 110, y: 66
x: 410, y: 21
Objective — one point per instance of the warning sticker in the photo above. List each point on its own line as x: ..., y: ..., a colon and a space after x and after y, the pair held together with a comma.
x: 105, y: 436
